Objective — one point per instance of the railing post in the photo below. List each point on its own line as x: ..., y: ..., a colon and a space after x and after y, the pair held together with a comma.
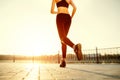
x: 13, y: 57
x: 97, y: 56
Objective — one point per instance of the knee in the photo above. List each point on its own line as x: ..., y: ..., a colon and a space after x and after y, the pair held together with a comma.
x: 63, y: 39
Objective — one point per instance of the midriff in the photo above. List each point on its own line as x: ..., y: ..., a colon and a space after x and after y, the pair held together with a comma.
x: 63, y: 10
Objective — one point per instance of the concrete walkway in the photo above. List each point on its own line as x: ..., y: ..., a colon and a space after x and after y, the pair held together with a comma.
x: 30, y: 71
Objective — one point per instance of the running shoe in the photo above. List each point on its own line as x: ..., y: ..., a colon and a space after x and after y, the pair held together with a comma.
x: 78, y: 51
x: 63, y: 64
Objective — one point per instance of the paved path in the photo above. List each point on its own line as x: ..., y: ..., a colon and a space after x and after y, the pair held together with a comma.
x: 30, y: 71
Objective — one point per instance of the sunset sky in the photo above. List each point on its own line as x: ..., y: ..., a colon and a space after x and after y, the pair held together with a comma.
x: 27, y: 26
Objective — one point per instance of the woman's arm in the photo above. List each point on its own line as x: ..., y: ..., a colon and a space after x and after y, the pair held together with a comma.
x: 53, y: 7
x: 74, y: 8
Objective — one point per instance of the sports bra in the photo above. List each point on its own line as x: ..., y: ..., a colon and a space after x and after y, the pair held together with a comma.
x: 62, y: 3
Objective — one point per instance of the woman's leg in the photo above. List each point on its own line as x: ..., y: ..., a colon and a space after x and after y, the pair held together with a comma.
x: 66, y: 28
x: 63, y: 25
x: 61, y: 32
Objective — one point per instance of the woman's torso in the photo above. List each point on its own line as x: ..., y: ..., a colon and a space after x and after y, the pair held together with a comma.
x: 63, y: 9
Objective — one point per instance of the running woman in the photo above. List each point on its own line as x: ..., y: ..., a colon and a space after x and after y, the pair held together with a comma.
x: 63, y: 21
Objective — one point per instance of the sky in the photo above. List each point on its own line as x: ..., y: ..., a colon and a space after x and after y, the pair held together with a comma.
x: 27, y: 27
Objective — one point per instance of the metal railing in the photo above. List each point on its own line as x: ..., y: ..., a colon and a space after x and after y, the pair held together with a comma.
x: 103, y: 55
x: 97, y: 55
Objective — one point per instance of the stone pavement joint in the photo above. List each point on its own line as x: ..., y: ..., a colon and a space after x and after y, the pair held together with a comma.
x: 38, y: 71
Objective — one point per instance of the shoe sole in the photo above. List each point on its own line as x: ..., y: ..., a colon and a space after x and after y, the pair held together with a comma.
x: 79, y: 53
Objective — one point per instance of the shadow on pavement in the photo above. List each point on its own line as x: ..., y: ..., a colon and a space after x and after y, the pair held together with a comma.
x: 98, y: 73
